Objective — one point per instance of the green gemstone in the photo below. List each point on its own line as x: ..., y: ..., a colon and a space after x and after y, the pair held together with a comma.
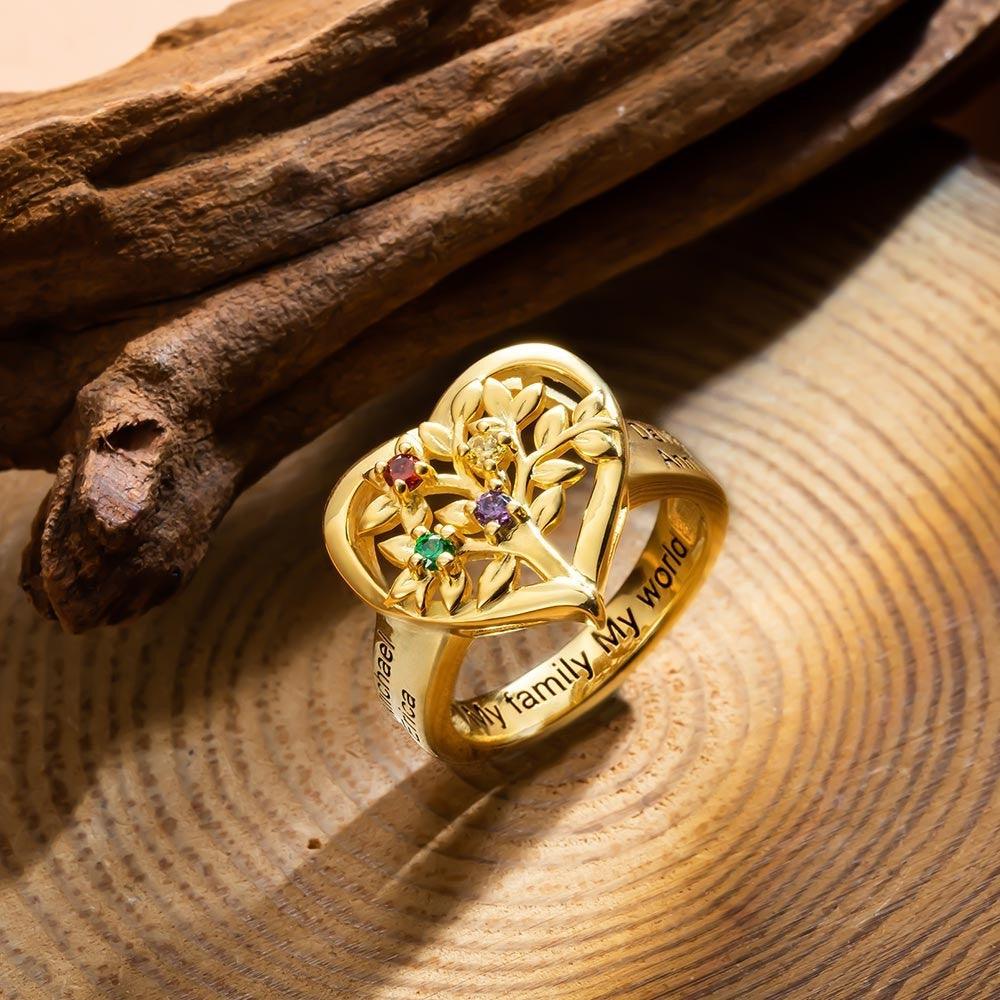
x: 431, y: 547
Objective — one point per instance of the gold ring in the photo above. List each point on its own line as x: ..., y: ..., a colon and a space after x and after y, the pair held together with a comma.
x: 447, y: 533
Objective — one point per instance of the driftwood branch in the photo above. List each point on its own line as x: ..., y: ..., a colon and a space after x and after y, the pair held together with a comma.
x: 208, y: 255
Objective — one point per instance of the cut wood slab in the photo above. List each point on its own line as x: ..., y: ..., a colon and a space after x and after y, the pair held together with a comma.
x: 793, y: 796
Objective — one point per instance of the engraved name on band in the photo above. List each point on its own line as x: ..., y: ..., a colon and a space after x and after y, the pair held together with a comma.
x: 673, y: 453
x: 405, y: 710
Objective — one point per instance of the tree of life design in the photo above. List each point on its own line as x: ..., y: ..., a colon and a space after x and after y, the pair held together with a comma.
x: 512, y: 451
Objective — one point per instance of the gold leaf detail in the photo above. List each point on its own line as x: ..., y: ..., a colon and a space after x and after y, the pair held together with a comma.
x: 527, y: 401
x: 604, y: 420
x: 397, y: 549
x: 453, y: 589
x: 589, y: 406
x: 459, y: 514
x: 557, y: 471
x: 404, y: 585
x: 408, y: 443
x: 594, y: 444
x: 496, y: 579
x: 416, y: 514
x: 379, y: 514
x: 421, y: 592
x: 550, y: 425
x: 436, y: 439
x: 467, y: 401
x: 547, y: 507
x: 497, y: 398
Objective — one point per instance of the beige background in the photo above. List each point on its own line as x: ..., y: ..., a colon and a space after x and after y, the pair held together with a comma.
x: 49, y: 43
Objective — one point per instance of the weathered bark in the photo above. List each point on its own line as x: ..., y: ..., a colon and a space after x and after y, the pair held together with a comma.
x: 361, y: 209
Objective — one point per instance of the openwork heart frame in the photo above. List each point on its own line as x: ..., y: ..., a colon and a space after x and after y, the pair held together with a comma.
x: 485, y: 479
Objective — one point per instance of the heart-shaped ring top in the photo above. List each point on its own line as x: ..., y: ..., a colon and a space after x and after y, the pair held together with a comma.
x: 439, y: 525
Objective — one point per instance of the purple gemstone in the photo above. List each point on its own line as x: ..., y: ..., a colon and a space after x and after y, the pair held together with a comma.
x: 492, y: 506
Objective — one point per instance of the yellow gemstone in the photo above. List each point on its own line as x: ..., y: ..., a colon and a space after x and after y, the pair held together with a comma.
x: 485, y: 449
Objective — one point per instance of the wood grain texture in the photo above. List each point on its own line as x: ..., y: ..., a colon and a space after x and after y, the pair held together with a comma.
x: 794, y: 796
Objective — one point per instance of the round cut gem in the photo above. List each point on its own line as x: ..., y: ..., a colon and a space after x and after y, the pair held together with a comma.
x: 492, y: 506
x: 430, y: 547
x: 402, y: 467
x: 486, y: 450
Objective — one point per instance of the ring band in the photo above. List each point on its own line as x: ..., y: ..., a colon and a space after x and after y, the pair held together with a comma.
x: 440, y: 529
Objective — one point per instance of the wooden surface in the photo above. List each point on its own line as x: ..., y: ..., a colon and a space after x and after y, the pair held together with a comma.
x: 794, y: 796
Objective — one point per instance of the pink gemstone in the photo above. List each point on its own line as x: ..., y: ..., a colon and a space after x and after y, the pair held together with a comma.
x: 402, y: 467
